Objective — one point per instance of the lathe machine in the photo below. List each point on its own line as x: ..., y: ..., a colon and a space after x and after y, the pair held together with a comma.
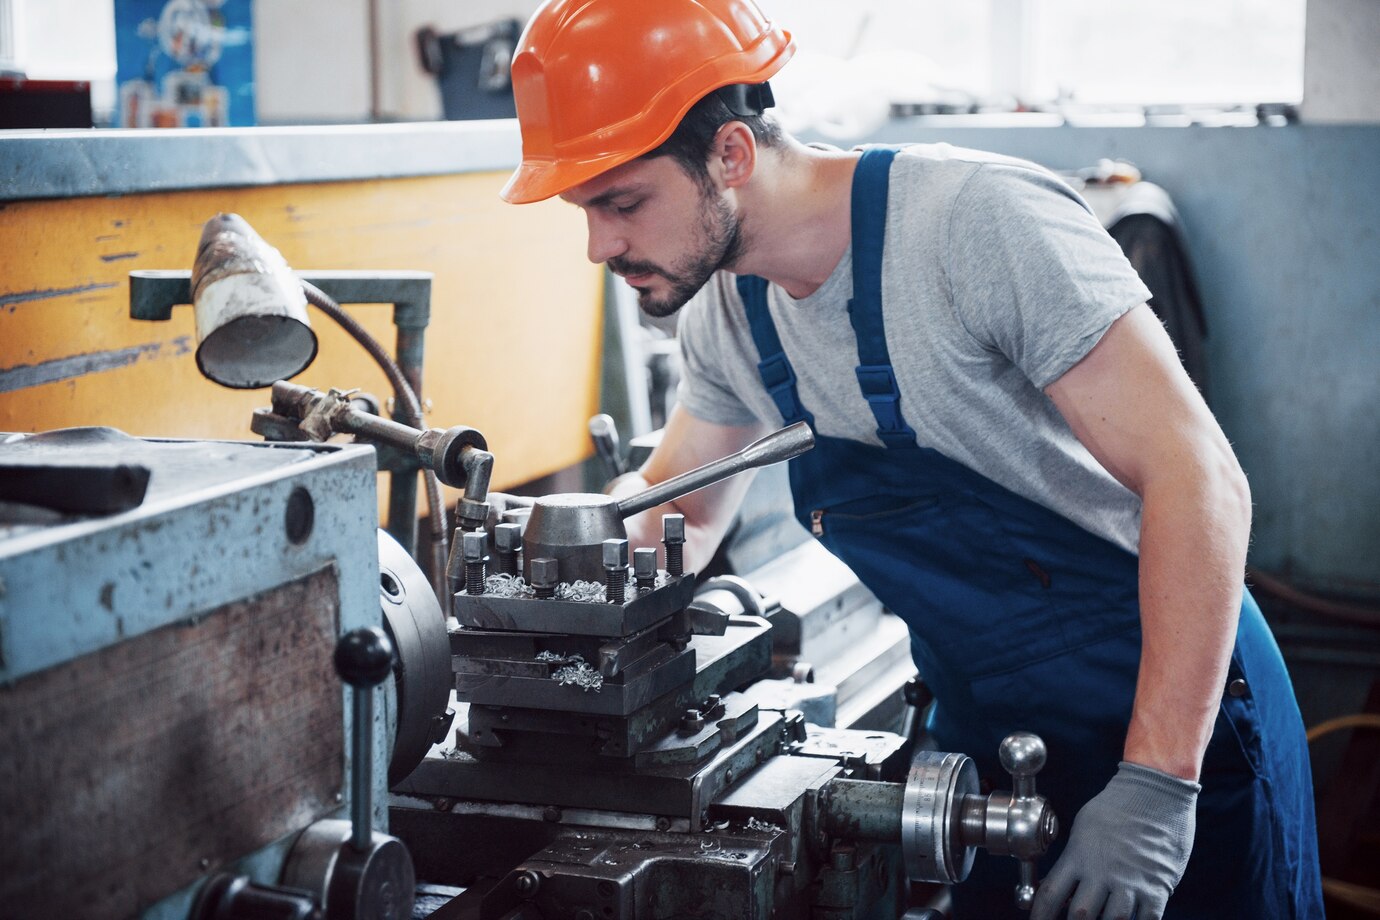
x: 582, y: 734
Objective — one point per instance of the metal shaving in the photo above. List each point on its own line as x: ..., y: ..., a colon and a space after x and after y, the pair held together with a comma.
x: 576, y: 671
x: 580, y: 674
x: 504, y: 585
x: 755, y: 824
x: 582, y: 592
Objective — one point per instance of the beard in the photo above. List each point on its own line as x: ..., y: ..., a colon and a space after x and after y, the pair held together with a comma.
x: 720, y: 242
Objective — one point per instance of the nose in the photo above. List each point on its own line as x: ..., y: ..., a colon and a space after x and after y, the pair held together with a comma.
x: 605, y: 241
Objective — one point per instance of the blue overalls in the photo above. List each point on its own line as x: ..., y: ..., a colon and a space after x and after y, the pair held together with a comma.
x: 1020, y: 619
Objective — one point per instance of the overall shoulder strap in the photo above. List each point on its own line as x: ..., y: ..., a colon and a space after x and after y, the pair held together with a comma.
x: 876, y: 378
x: 777, y: 374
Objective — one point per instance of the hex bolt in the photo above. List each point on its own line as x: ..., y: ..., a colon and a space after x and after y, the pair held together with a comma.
x: 644, y: 568
x: 475, y: 544
x: 545, y: 577
x: 673, y: 536
x: 692, y: 721
x: 508, y: 543
x: 615, y: 570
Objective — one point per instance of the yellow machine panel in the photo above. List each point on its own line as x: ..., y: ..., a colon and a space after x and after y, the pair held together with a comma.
x: 513, y: 347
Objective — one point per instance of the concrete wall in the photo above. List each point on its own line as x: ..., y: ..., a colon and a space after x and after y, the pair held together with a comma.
x: 1341, y: 76
x: 1284, y: 230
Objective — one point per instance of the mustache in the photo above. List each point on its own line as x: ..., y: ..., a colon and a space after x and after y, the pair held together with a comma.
x: 623, y: 266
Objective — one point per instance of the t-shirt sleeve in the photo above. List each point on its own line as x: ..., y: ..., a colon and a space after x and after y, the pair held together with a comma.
x: 1032, y: 273
x: 705, y: 344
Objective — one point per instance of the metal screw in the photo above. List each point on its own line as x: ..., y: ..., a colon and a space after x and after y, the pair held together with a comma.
x: 615, y: 570
x: 713, y: 704
x: 692, y: 721
x: 644, y: 568
x: 527, y: 883
x: 508, y: 541
x: 545, y: 577
x: 551, y: 813
x: 673, y: 536
x: 475, y: 544
x: 663, y: 824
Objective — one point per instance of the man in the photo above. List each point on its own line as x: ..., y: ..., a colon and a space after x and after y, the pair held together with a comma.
x: 1009, y: 453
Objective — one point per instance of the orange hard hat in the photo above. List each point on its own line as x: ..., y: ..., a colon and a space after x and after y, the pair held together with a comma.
x: 601, y: 82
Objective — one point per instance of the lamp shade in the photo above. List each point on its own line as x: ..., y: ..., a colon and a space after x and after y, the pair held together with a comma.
x: 251, y: 313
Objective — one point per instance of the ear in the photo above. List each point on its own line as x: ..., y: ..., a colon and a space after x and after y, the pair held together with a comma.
x: 733, y: 155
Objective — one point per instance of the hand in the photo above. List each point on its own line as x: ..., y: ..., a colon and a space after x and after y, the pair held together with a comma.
x: 500, y: 502
x: 1127, y: 849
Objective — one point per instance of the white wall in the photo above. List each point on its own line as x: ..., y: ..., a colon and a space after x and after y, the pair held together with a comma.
x: 1341, y: 70
x: 311, y: 61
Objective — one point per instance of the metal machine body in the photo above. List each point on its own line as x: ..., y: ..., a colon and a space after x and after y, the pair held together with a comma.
x: 614, y: 756
x: 167, y: 702
x: 556, y: 745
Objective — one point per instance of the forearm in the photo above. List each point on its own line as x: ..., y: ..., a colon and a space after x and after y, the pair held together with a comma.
x: 1194, y: 533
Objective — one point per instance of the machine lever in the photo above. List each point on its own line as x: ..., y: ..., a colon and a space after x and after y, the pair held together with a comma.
x: 778, y: 446
x: 363, y: 659
x: 603, y: 431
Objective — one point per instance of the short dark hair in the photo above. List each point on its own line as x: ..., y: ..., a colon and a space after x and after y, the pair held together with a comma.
x: 690, y: 143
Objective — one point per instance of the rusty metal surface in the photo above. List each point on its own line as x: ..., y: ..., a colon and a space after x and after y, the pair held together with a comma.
x: 216, y: 523
x: 221, y: 522
x: 150, y: 762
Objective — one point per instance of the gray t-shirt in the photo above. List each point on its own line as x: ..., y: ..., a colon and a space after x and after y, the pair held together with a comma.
x: 996, y: 279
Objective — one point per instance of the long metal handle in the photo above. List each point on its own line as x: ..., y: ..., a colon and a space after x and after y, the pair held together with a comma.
x: 603, y: 431
x: 775, y: 447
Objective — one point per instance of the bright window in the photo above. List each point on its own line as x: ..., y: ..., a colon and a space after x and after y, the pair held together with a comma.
x: 1171, y: 51
x: 1041, y: 51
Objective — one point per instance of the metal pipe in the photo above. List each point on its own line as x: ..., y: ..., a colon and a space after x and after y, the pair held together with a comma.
x: 407, y: 409
x: 775, y: 447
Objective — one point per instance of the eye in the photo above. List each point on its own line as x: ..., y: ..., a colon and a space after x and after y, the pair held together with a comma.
x: 629, y: 208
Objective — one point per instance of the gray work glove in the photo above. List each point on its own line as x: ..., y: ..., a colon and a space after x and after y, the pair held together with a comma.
x: 1127, y: 849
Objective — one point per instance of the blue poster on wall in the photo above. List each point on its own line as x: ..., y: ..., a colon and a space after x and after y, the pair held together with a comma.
x: 184, y: 63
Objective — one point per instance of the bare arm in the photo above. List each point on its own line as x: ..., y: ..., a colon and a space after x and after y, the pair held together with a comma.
x: 1131, y: 404
x: 687, y: 443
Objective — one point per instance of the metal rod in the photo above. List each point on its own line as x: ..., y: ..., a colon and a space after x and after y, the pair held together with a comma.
x: 775, y: 447
x: 362, y: 778
x: 864, y: 809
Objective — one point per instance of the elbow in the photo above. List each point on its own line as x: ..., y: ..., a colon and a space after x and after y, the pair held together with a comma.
x: 1231, y: 490
x: 1239, y: 489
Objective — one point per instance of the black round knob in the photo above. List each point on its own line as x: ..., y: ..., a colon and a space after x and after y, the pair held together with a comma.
x: 364, y: 657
